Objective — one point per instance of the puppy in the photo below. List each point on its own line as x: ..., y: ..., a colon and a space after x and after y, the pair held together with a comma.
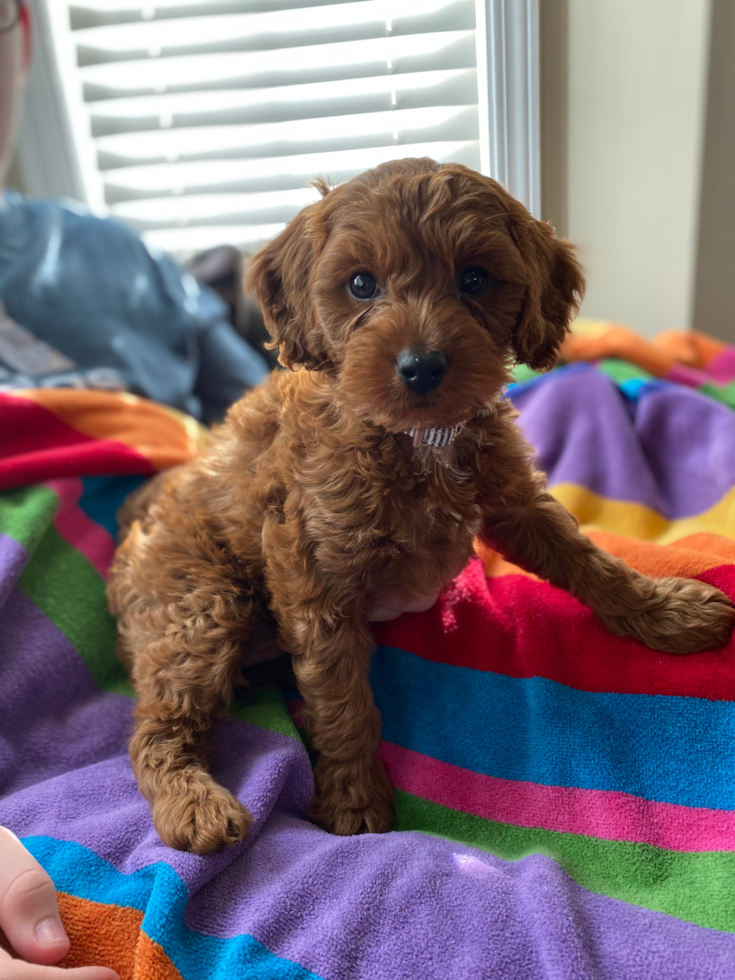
x: 404, y: 297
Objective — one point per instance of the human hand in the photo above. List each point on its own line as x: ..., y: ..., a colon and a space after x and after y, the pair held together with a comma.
x: 29, y: 917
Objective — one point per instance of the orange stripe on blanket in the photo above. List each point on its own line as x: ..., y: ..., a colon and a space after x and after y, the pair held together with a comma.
x: 165, y: 437
x: 101, y: 935
x: 687, y: 558
x: 688, y: 347
x: 496, y: 566
x: 151, y: 962
x: 591, y: 340
x: 36, y: 445
x: 109, y: 935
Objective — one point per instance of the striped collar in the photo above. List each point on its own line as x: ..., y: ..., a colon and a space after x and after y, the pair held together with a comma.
x: 436, y: 437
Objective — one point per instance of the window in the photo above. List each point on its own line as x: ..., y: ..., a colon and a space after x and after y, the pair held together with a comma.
x: 201, y: 122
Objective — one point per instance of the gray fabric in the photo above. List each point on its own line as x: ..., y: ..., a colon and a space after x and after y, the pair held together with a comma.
x: 91, y: 289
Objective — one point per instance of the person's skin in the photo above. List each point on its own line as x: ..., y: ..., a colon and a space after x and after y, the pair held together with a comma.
x: 29, y: 917
x: 15, y: 63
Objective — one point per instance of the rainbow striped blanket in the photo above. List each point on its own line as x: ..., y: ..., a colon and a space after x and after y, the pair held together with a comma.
x: 566, y: 798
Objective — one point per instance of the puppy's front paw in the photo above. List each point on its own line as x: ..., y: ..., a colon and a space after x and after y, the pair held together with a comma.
x: 200, y: 816
x: 352, y: 798
x: 680, y: 616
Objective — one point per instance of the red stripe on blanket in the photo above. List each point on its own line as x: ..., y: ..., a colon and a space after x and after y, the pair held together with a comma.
x: 522, y: 627
x: 35, y: 446
x: 565, y: 809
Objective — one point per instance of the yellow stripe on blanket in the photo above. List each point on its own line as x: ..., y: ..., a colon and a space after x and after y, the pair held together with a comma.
x: 638, y: 521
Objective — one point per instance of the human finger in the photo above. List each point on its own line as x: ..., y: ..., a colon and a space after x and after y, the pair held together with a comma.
x: 11, y: 969
x: 29, y: 915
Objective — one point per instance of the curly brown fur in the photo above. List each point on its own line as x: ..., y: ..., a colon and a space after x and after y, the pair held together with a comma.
x: 312, y: 499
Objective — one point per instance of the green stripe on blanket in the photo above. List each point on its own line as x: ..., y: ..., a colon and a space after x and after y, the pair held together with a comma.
x: 699, y: 887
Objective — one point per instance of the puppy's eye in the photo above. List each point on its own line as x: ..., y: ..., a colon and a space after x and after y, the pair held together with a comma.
x: 473, y: 280
x: 363, y: 285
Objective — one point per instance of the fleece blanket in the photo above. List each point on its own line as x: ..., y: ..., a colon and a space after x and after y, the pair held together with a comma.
x: 686, y: 357
x: 565, y: 798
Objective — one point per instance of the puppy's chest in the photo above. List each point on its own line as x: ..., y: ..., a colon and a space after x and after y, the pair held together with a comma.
x: 397, y: 508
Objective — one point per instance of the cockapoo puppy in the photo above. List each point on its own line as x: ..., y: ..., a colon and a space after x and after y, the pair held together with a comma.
x: 403, y: 297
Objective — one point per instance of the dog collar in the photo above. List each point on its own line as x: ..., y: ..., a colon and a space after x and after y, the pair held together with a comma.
x: 436, y: 436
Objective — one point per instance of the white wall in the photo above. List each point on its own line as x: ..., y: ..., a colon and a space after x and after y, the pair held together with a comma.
x: 635, y: 94
x: 714, y: 294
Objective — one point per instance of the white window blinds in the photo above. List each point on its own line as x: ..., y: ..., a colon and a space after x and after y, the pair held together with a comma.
x: 209, y: 117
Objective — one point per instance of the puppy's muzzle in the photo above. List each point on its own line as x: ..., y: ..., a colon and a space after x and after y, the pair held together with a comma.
x: 420, y: 370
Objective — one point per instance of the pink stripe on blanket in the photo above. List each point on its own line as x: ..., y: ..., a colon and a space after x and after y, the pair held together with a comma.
x: 594, y: 813
x: 722, y: 367
x: 682, y: 374
x: 77, y: 529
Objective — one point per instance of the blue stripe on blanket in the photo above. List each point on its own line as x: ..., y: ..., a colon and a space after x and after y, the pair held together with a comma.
x: 159, y: 892
x: 541, y: 731
x: 104, y: 495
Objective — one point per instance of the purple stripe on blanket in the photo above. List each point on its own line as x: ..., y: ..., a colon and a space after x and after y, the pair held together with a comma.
x: 658, y: 461
x: 13, y: 559
x: 53, y: 717
x: 371, y: 906
x: 689, y: 440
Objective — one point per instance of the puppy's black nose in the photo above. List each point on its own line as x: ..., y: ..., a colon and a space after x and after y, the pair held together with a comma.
x: 421, y: 371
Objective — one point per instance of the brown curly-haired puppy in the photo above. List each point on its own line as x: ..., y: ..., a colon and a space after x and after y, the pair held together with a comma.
x: 404, y: 295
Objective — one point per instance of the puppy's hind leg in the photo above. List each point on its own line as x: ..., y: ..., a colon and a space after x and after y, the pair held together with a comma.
x: 184, y: 678
x: 672, y: 614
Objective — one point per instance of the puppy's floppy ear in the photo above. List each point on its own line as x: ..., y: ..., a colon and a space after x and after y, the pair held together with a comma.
x: 279, y: 276
x: 553, y: 294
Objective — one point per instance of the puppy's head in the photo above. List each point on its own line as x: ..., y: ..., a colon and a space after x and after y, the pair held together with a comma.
x: 416, y: 285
